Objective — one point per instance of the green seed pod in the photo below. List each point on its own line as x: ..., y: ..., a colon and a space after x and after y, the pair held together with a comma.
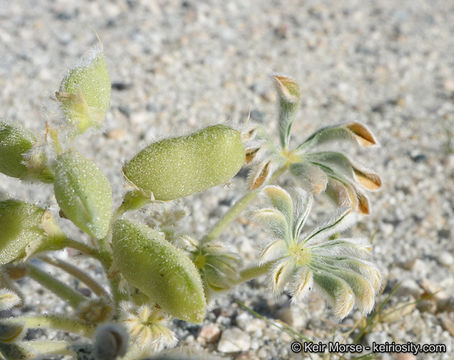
x: 20, y: 155
x: 25, y: 229
x: 83, y: 193
x: 14, y: 143
x: 177, y: 167
x: 85, y: 93
x: 160, y: 270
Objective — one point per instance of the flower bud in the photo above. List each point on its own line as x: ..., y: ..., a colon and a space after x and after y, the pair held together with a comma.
x: 158, y: 269
x: 85, y: 93
x: 25, y: 230
x: 177, y: 167
x: 83, y: 193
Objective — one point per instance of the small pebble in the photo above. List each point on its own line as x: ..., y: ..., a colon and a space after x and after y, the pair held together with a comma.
x: 209, y: 333
x: 234, y: 340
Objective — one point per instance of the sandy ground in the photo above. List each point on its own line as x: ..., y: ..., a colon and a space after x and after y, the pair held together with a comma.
x: 178, y: 66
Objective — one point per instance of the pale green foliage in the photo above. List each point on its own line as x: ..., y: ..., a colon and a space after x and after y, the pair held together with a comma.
x: 161, y: 271
x: 25, y: 229
x: 339, y: 269
x: 85, y: 93
x: 177, y: 167
x: 83, y: 193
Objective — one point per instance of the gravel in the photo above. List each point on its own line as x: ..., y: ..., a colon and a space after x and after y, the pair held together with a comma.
x: 178, y: 66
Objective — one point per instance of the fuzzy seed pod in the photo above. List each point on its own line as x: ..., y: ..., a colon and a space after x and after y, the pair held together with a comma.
x: 177, y: 167
x: 25, y: 229
x: 20, y: 155
x: 14, y: 143
x: 83, y: 193
x: 158, y: 269
x: 85, y: 93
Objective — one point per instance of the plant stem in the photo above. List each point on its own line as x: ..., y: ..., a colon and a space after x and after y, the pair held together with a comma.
x: 77, y: 273
x: 239, y: 206
x: 85, y: 249
x: 60, y: 289
x: 55, y: 322
x: 48, y: 347
x: 255, y: 271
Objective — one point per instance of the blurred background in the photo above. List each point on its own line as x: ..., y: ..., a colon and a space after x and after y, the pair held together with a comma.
x: 177, y: 66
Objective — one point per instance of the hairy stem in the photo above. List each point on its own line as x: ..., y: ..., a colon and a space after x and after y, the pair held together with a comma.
x: 60, y: 289
x: 255, y: 271
x: 56, y: 322
x: 48, y: 347
x: 236, y: 209
x: 77, y: 273
x: 85, y: 249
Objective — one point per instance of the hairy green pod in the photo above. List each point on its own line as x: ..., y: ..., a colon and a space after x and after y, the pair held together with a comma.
x: 25, y: 229
x: 20, y: 155
x: 83, y: 193
x: 177, y: 167
x: 85, y: 93
x: 160, y: 270
x: 14, y: 143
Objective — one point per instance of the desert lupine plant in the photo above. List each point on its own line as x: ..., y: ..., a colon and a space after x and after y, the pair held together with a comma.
x: 154, y: 272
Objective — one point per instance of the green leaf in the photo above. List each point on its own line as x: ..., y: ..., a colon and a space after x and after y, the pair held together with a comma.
x: 352, y: 132
x: 160, y: 270
x: 302, y: 284
x: 85, y: 93
x: 177, y: 167
x: 337, y: 291
x: 83, y: 193
x: 310, y: 176
x: 281, y: 200
x: 281, y: 274
x: 273, y: 250
x: 303, y: 208
x: 289, y: 97
x: 336, y: 223
x: 344, y: 167
x: 275, y: 221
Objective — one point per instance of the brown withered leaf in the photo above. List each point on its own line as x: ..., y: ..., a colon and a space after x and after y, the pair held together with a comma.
x: 361, y: 134
x: 339, y: 194
x: 368, y: 180
x: 259, y: 174
x: 251, y: 153
x: 363, y: 203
